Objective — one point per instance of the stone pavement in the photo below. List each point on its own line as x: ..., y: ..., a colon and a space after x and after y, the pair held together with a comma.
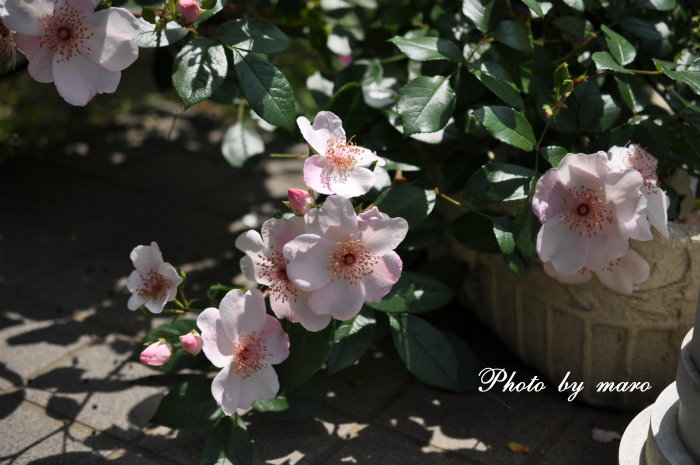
x: 69, y: 393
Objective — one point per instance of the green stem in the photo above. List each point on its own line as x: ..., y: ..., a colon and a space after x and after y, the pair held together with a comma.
x: 288, y: 155
x: 463, y: 205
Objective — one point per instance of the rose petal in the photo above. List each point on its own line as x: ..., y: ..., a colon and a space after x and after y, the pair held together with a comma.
x: 112, y: 45
x: 382, y: 235
x: 226, y: 389
x: 40, y: 59
x: 79, y: 79
x: 276, y: 340
x: 326, y: 126
x: 386, y: 273
x: 339, y: 298
x: 24, y: 16
x: 308, y: 261
x: 263, y: 384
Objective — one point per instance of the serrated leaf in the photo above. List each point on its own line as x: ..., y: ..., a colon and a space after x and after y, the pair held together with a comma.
x: 308, y: 351
x: 407, y: 201
x: 425, y: 351
x: 692, y: 78
x: 428, y: 48
x: 513, y: 35
x: 505, y: 90
x: 228, y: 444
x: 534, y: 5
x: 199, y: 69
x: 554, y: 154
x: 479, y: 12
x: 425, y: 104
x: 267, y: 90
x: 507, y: 125
x: 603, y: 61
x: 352, y: 339
x: 214, y: 7
x: 189, y: 405
x: 255, y: 35
x: 497, y: 182
x: 633, y: 93
x: 148, y: 37
x: 620, y: 48
x: 415, y: 293
x: 241, y: 143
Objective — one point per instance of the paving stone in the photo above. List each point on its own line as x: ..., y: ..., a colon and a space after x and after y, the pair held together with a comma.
x: 478, y: 425
x: 575, y: 446
x: 99, y: 388
x: 371, y: 384
x: 31, y: 338
x: 30, y: 437
x: 376, y: 445
x: 124, y: 457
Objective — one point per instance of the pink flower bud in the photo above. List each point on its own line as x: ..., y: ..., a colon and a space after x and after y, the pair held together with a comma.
x: 299, y: 201
x: 192, y: 342
x: 345, y: 60
x: 157, y: 354
x: 189, y: 9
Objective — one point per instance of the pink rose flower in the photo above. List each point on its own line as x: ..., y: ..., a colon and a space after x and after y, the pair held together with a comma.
x: 620, y: 275
x: 191, y: 342
x: 244, y: 342
x: 588, y: 213
x: 83, y: 52
x: 157, y: 354
x: 300, y: 201
x: 154, y: 282
x: 189, y: 10
x: 637, y: 158
x: 265, y: 264
x: 340, y: 167
x: 345, y: 260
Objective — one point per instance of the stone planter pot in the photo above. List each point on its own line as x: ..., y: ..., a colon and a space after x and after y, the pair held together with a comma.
x: 589, y: 330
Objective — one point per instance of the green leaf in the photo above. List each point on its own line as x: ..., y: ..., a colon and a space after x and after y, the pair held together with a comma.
x: 199, y: 69
x: 506, y: 242
x: 415, y: 293
x: 476, y: 232
x: 428, y: 48
x: 171, y: 330
x: 425, y: 104
x: 513, y: 35
x: 214, y: 7
x: 525, y: 229
x: 303, y: 402
x: 479, y: 12
x: 425, y: 351
x: 349, y: 104
x: 507, y: 125
x: 598, y: 112
x: 267, y: 90
x: 632, y: 90
x: 554, y: 154
x: 535, y: 6
x: 228, y: 444
x: 308, y: 351
x: 468, y: 367
x: 426, y: 233
x: 504, y: 89
x: 148, y: 14
x: 578, y: 5
x: 352, y: 339
x: 692, y: 78
x: 187, y: 406
x: 620, y: 48
x: 241, y: 143
x: 497, y: 182
x: 254, y: 35
x: 575, y: 26
x: 661, y: 5
x: 148, y: 37
x: 603, y: 61
x: 407, y: 201
x: 216, y: 292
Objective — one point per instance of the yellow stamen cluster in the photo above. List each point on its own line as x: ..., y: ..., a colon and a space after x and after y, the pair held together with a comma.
x: 249, y: 354
x: 351, y: 261
x: 153, y: 285
x: 642, y: 161
x: 585, y: 210
x: 65, y: 32
x: 342, y: 155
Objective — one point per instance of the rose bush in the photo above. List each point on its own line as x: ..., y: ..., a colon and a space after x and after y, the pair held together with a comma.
x: 550, y: 132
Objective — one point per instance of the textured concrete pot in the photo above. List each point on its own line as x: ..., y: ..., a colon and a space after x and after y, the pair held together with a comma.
x: 595, y: 333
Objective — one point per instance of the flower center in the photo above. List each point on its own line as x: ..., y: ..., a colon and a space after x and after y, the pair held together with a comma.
x: 274, y: 270
x: 640, y: 160
x: 586, y: 210
x: 65, y: 32
x: 153, y: 285
x: 351, y: 261
x: 340, y: 154
x: 249, y: 354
